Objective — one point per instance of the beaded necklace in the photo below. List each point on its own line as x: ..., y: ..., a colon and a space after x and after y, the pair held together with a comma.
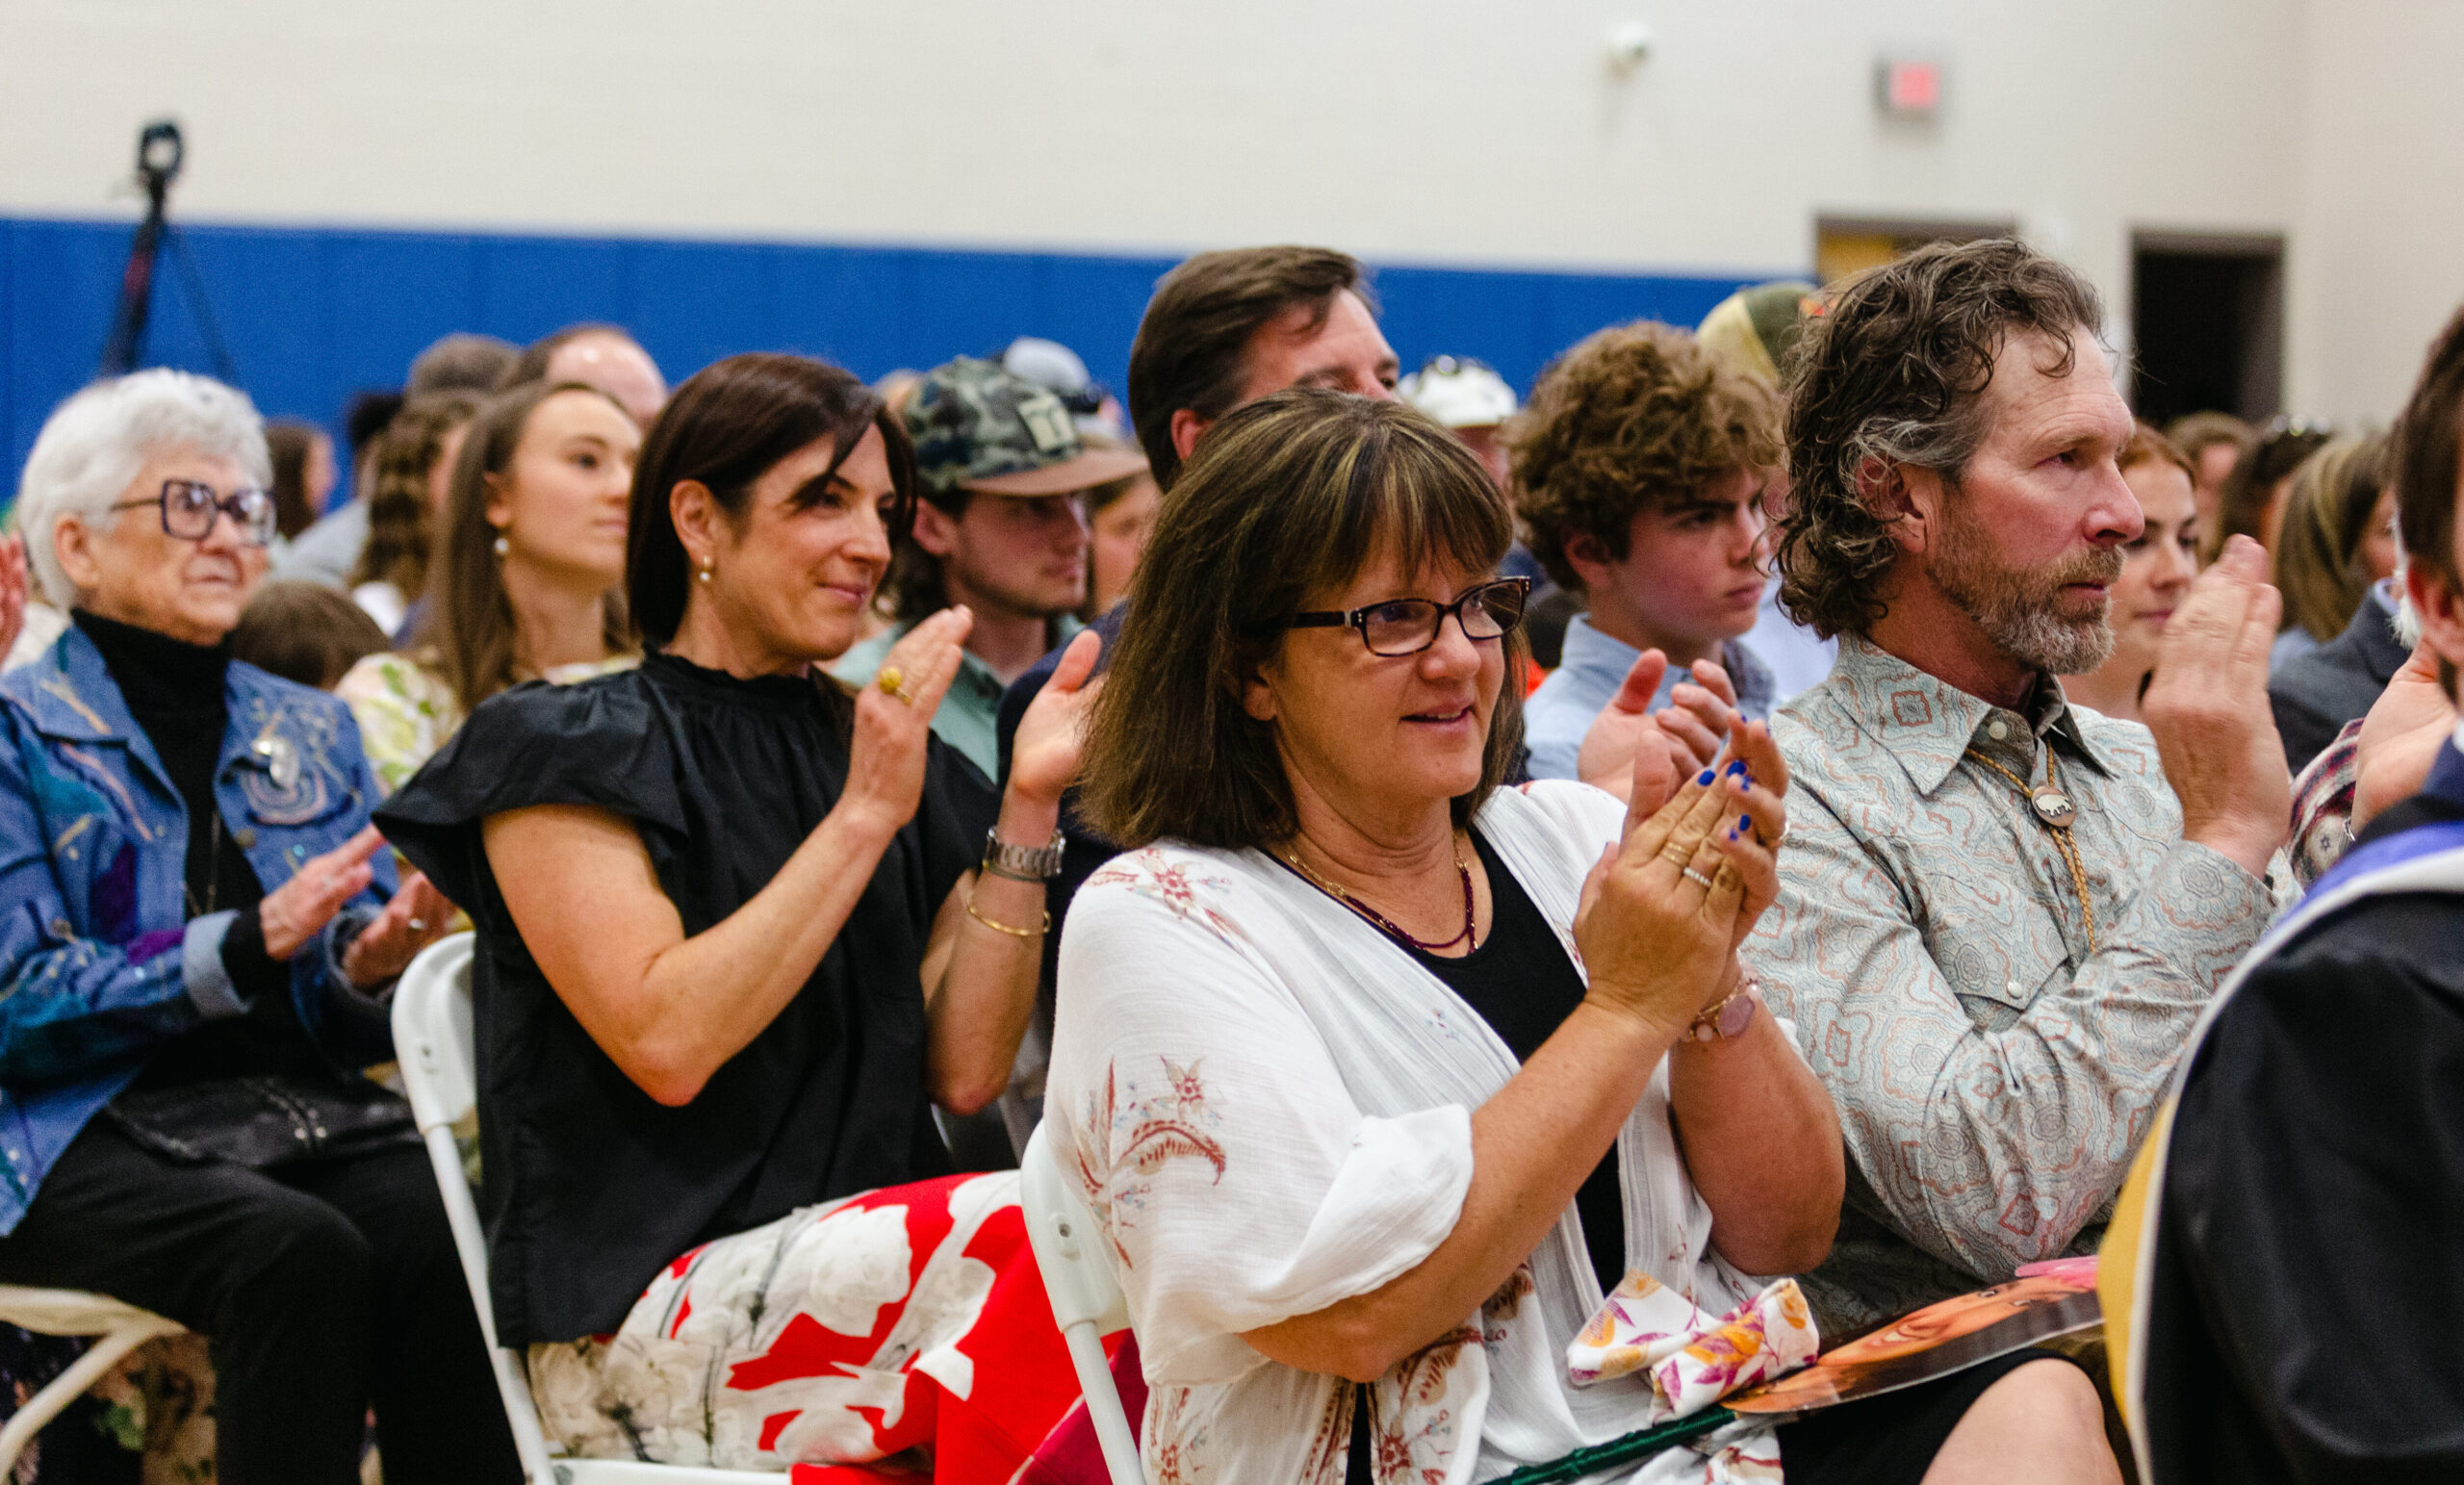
x: 1385, y: 924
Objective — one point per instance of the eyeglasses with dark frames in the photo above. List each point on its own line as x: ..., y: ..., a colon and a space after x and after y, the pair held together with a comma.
x: 1407, y: 626
x: 189, y: 509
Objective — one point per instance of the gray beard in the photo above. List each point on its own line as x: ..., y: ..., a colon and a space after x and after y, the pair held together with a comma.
x: 2015, y: 606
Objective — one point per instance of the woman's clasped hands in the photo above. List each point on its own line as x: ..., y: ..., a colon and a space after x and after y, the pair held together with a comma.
x: 1665, y: 910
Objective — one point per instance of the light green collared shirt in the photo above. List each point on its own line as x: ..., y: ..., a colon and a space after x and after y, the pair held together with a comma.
x: 970, y: 709
x: 1995, y: 1062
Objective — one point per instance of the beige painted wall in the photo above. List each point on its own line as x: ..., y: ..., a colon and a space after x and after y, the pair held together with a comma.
x: 1446, y: 131
x: 2380, y: 260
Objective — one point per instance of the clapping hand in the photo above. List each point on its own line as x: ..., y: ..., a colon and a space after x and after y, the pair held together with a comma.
x: 298, y: 910
x: 1641, y: 756
x: 2208, y: 709
x: 2401, y: 736
x: 419, y: 915
x: 1043, y: 758
x: 894, y: 716
x: 1664, y: 911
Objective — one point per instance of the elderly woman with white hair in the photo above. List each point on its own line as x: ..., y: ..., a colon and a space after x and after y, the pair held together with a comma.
x: 198, y: 940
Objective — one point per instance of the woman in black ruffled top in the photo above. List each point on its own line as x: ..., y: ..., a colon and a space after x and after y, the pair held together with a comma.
x: 732, y: 940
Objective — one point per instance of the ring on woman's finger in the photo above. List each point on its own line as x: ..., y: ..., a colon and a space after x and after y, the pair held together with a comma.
x: 1677, y: 855
x: 893, y: 682
x: 418, y: 925
x: 1691, y: 875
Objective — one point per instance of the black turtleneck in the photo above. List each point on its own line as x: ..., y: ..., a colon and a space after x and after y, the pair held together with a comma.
x: 175, y: 692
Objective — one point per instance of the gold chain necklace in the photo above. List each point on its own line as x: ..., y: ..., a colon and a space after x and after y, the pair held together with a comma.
x: 1384, y: 923
x: 2055, y: 808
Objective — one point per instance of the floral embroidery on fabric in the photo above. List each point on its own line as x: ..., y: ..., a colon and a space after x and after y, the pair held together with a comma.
x: 1330, y: 1442
x: 1151, y: 875
x: 1413, y: 1426
x: 1499, y: 1309
x: 1143, y: 1128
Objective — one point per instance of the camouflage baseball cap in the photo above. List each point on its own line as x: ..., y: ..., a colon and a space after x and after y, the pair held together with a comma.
x: 982, y: 429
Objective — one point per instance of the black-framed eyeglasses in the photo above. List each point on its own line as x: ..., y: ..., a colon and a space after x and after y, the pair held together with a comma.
x: 1407, y: 626
x: 191, y: 506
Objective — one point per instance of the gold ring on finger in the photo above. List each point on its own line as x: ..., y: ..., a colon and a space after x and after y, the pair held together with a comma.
x: 1677, y: 855
x: 893, y: 683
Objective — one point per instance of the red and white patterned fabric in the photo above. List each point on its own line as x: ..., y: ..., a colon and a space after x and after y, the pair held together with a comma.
x: 881, y: 1337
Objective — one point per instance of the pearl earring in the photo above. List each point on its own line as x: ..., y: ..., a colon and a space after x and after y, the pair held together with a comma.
x: 504, y: 546
x: 705, y: 570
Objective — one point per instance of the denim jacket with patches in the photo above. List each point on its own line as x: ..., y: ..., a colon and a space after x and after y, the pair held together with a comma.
x: 99, y: 963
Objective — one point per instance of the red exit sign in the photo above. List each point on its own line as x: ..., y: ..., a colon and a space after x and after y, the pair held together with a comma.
x: 1909, y: 87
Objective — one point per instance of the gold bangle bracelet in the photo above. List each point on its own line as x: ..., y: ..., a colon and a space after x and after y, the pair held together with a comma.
x: 1004, y: 928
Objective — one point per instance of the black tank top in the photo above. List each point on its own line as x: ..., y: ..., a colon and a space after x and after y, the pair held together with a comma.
x: 1521, y: 982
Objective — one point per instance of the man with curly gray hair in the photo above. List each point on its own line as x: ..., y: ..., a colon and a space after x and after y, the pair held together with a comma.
x: 2000, y: 913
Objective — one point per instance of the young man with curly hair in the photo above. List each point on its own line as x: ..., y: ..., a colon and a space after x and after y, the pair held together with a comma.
x: 1999, y: 915
x: 1639, y: 469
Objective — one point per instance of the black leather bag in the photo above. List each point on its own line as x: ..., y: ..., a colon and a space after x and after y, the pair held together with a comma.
x: 263, y: 1121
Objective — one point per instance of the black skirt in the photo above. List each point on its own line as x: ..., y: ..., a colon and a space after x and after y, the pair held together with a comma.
x: 1889, y: 1440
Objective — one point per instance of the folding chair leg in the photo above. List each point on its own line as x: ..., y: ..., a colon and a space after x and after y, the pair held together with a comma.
x: 1103, y: 1404
x: 87, y: 1369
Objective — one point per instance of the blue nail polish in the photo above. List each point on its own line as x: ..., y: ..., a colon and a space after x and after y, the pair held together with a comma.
x: 1738, y: 767
x: 1705, y: 780
x: 1745, y: 821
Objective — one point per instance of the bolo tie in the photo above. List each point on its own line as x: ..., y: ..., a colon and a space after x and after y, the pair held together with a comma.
x: 2054, y: 807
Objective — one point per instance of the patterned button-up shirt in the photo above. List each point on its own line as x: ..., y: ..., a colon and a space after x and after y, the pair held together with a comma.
x: 1994, y: 1074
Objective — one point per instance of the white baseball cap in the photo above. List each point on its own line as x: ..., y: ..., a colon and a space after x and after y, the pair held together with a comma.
x: 1459, y: 392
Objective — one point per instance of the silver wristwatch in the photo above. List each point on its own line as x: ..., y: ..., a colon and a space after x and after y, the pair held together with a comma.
x: 1022, y: 863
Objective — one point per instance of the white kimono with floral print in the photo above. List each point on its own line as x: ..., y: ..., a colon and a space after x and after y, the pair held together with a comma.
x: 1268, y: 1107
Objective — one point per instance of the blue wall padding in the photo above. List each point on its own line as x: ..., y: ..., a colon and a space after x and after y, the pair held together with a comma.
x: 312, y: 315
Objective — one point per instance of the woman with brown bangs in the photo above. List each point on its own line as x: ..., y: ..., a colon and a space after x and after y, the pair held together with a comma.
x: 733, y: 947
x: 1377, y: 1076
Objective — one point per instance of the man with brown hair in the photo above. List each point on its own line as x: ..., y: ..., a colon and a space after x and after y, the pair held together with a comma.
x: 1223, y: 328
x: 1228, y: 328
x: 1999, y: 915
x: 1639, y: 469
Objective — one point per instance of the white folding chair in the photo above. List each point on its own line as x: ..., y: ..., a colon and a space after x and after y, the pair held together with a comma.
x: 120, y: 1328
x: 432, y: 1039
x: 1085, y: 1299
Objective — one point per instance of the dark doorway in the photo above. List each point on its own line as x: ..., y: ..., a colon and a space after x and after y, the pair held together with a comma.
x: 2207, y: 315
